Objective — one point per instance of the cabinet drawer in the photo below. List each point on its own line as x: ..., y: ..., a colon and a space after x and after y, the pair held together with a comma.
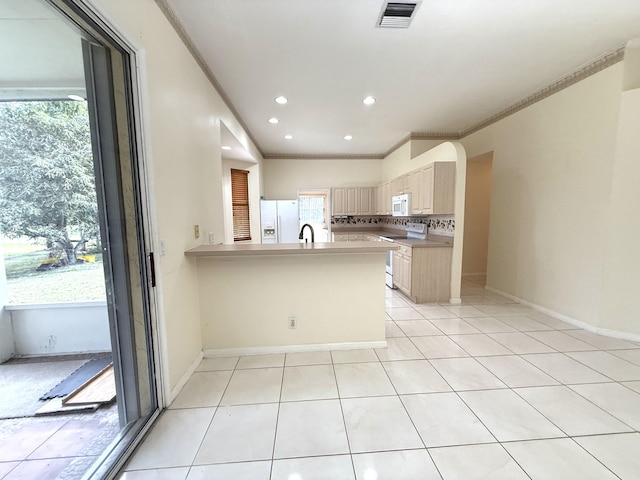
x: 356, y: 237
x: 404, y: 250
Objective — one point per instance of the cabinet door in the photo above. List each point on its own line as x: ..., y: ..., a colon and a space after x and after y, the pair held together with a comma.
x: 397, y: 186
x: 366, y: 201
x: 426, y: 183
x: 406, y: 273
x: 387, y: 199
x: 415, y: 186
x: 351, y: 200
x: 398, y: 267
x: 404, y: 183
x: 444, y: 187
x: 338, y: 201
x: 374, y: 200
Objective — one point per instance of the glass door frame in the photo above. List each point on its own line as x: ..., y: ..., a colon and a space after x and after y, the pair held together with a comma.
x: 110, y: 68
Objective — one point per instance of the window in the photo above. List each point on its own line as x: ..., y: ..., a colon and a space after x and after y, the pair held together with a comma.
x: 240, y: 205
x: 311, y: 208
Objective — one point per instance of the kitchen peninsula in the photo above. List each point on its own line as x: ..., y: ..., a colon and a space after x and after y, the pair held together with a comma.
x: 257, y: 298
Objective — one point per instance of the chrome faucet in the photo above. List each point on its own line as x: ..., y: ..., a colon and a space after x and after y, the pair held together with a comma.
x: 301, y: 236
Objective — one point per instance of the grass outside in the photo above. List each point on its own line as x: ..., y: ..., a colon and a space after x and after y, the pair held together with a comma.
x: 73, y: 283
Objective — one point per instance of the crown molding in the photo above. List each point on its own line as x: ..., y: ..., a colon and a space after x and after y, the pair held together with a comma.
x: 172, y: 18
x: 434, y: 136
x: 323, y: 156
x: 597, y: 65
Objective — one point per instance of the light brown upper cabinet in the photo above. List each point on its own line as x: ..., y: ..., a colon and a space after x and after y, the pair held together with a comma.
x: 416, y: 189
x: 353, y: 201
x: 383, y: 205
x: 437, y: 194
x: 367, y: 201
x: 338, y: 202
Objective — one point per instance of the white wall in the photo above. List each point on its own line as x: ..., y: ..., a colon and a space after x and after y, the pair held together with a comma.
x: 181, y: 115
x: 476, y: 214
x: 282, y: 178
x: 564, y: 189
x: 408, y: 157
x: 419, y: 146
x: 337, y: 299
x: 397, y: 162
x: 621, y: 277
x: 60, y: 328
x: 7, y: 346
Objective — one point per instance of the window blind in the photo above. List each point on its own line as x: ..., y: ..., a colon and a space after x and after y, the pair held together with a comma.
x: 240, y: 205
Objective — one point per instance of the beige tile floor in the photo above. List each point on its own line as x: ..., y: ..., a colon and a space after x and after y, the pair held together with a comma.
x: 488, y: 389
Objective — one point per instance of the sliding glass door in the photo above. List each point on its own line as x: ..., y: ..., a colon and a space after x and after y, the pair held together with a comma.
x: 124, y: 231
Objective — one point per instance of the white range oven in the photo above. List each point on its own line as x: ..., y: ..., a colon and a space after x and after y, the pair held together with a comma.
x: 389, y: 267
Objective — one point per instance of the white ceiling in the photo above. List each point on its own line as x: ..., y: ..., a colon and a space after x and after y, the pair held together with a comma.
x: 459, y: 63
x: 40, y: 53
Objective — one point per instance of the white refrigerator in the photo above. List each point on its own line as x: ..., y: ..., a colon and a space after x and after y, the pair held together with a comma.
x: 279, y: 221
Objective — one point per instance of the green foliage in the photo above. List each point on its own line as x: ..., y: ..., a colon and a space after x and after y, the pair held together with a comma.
x: 47, y: 186
x: 27, y: 285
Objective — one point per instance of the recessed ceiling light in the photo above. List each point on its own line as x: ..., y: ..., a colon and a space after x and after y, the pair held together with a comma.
x: 226, y: 147
x: 369, y: 100
x: 77, y: 98
x: 281, y: 100
x: 288, y: 137
x: 348, y: 137
x: 273, y: 120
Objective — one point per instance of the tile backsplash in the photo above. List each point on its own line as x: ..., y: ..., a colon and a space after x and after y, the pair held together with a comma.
x: 436, y: 224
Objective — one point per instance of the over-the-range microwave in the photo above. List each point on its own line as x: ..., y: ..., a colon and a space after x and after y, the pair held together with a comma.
x: 401, y: 205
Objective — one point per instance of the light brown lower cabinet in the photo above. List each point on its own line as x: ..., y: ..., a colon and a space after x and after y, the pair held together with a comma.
x: 423, y: 274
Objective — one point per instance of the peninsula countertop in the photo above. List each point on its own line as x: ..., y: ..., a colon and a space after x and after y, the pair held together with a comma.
x: 275, y: 249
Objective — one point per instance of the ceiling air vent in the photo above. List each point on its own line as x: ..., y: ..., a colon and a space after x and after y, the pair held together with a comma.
x: 397, y: 14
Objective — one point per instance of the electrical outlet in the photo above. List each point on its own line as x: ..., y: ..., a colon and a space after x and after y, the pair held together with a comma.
x: 293, y: 322
x: 212, y: 238
x: 196, y: 231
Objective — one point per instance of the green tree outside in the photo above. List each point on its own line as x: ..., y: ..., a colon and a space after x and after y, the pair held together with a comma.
x: 47, y: 186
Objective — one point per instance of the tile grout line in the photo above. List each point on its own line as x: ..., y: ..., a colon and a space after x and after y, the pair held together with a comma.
x: 344, y: 421
x: 470, y: 410
x: 275, y: 432
x: 475, y: 357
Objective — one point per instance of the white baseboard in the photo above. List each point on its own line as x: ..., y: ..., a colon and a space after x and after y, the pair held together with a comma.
x: 455, y: 301
x: 183, y: 380
x: 573, y: 321
x: 322, y: 347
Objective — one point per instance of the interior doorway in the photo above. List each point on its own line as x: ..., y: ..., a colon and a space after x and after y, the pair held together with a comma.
x: 54, y: 51
x: 313, y: 208
x: 476, y: 217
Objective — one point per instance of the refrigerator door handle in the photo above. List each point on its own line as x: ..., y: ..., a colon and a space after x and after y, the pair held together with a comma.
x: 277, y: 228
